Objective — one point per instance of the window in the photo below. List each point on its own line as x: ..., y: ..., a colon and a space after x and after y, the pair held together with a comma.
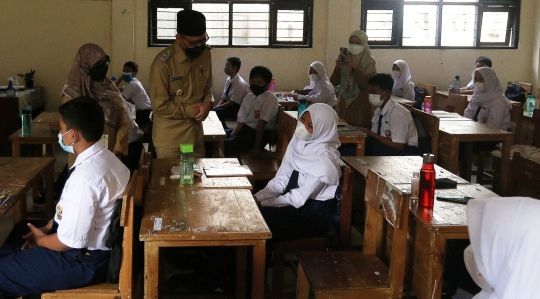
x: 237, y: 23
x: 441, y: 23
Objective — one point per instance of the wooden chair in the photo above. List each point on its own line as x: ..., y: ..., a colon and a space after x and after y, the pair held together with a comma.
x: 145, y: 165
x: 430, y: 89
x: 430, y: 123
x: 364, y: 274
x: 320, y: 243
x: 123, y: 289
x: 458, y: 103
x: 524, y: 174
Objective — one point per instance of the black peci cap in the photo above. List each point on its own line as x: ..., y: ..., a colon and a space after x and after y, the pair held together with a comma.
x: 190, y: 22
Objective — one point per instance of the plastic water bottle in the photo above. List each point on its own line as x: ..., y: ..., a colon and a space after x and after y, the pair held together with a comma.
x: 426, y: 196
x: 186, y: 164
x: 456, y: 85
x: 11, y: 91
x: 26, y: 127
x: 428, y: 101
x: 415, y: 185
x: 531, y: 103
x: 272, y: 87
x: 302, y: 105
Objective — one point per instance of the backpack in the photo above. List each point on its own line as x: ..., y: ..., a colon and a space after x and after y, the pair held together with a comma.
x: 424, y: 141
x: 419, y: 95
x: 516, y: 92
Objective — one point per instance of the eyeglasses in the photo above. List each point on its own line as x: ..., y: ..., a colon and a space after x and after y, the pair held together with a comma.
x: 197, y: 42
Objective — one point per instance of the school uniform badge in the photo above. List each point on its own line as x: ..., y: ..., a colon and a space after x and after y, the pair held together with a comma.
x: 59, y: 211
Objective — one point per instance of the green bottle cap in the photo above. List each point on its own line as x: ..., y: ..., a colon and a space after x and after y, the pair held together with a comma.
x: 186, y: 148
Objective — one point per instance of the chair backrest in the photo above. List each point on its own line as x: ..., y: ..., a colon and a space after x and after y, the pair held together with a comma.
x: 536, y: 122
x: 345, y: 222
x: 285, y: 132
x: 145, y: 167
x: 274, y: 135
x: 524, y: 177
x: 430, y: 123
x: 459, y: 102
x: 516, y: 117
x: 385, y: 203
x: 430, y: 89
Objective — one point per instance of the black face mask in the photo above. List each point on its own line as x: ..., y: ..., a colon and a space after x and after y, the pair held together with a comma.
x: 194, y: 52
x: 256, y: 89
x: 98, y: 73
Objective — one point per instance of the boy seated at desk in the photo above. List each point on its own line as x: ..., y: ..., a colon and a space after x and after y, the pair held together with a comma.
x: 69, y: 251
x: 134, y: 92
x: 393, y: 132
x: 256, y: 117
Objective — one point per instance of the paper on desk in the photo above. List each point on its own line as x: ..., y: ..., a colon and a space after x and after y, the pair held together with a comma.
x: 228, y: 171
x: 3, y: 198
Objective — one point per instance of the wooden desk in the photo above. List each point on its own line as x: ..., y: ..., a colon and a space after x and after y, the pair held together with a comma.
x: 214, y: 132
x: 440, y: 100
x: 161, y: 172
x: 402, y: 100
x: 47, y: 117
x: 345, y: 136
x: 225, y: 217
x: 41, y: 134
x: 17, y: 176
x: 451, y: 133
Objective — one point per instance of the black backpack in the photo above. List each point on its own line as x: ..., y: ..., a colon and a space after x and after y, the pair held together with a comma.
x: 516, y: 92
x: 419, y: 95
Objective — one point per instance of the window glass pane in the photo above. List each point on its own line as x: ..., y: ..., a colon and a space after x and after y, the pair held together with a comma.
x: 458, y: 25
x: 379, y: 25
x: 166, y: 22
x: 251, y: 24
x: 461, y: 1
x: 290, y: 26
x: 217, y: 21
x: 494, y: 27
x: 421, y: 1
x: 419, y: 25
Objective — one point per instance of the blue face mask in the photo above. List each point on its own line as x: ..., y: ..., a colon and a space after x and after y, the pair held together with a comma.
x: 127, y: 77
x: 67, y: 148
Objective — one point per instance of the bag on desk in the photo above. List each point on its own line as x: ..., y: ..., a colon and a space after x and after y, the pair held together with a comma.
x: 419, y: 95
x: 516, y: 92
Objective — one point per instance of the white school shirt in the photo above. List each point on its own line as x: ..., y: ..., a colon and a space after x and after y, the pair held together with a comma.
x: 309, y: 187
x: 84, y: 211
x: 238, y: 91
x: 406, y: 92
x: 135, y: 92
x: 135, y: 133
x: 397, y: 121
x: 268, y: 105
x: 322, y: 92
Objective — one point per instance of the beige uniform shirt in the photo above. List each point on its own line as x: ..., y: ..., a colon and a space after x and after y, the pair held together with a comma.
x: 176, y: 84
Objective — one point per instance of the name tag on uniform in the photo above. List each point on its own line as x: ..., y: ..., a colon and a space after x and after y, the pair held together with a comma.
x: 176, y: 78
x: 105, y: 140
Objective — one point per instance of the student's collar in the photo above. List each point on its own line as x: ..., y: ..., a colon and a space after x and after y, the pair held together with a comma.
x: 390, y: 102
x: 87, y: 153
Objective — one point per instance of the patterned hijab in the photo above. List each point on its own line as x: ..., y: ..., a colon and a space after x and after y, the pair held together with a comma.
x: 79, y: 83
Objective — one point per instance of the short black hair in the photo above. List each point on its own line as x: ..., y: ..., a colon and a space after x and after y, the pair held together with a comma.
x: 85, y: 115
x: 262, y: 72
x: 235, y: 62
x: 132, y: 65
x: 484, y: 60
x: 384, y: 81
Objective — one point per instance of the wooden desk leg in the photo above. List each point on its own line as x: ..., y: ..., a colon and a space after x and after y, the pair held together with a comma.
x: 151, y: 270
x: 49, y: 150
x: 437, y: 263
x: 49, y: 200
x: 221, y: 147
x: 241, y: 264
x: 505, y: 165
x: 302, y: 284
x: 467, y: 162
x: 360, y: 148
x: 259, y: 258
x: 19, y: 209
x: 15, y: 149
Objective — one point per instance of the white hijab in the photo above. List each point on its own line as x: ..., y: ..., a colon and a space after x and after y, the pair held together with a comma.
x: 404, y: 79
x: 493, y: 91
x: 505, y: 238
x: 321, y: 71
x: 319, y: 156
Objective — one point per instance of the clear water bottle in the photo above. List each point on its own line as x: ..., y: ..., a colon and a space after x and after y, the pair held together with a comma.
x: 456, y: 85
x: 186, y: 164
x: 531, y: 104
x: 302, y: 105
x: 415, y: 185
x: 11, y: 91
x: 26, y: 127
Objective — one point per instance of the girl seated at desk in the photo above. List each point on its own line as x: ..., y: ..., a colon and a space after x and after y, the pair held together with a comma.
x: 403, y: 85
x: 319, y: 90
x: 300, y: 200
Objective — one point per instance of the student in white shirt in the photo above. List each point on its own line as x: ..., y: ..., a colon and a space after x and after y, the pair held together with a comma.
x: 135, y: 146
x: 256, y: 117
x: 393, y: 132
x: 135, y: 93
x: 69, y: 251
x: 319, y: 90
x: 234, y: 91
x: 403, y: 85
x: 481, y: 61
x: 300, y: 200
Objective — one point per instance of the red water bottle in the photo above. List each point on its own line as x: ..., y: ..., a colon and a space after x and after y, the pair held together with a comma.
x: 427, y: 182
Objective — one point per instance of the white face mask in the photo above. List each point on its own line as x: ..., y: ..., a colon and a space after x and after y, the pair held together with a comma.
x: 313, y: 77
x: 375, y: 100
x: 355, y: 49
x: 301, y: 132
x: 396, y: 74
x: 479, y: 86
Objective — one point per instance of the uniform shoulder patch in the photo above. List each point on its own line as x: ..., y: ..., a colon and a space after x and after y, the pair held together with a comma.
x: 163, y: 56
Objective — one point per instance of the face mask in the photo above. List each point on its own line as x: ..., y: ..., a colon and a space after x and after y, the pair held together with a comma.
x: 375, y: 100
x: 67, y: 148
x: 314, y: 77
x: 98, y: 73
x: 194, y: 52
x: 396, y: 74
x: 256, y: 89
x: 479, y: 86
x: 127, y: 77
x: 355, y: 49
x: 301, y: 132
x: 227, y: 71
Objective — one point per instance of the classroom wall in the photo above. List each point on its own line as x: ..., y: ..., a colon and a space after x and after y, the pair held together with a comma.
x: 536, y: 48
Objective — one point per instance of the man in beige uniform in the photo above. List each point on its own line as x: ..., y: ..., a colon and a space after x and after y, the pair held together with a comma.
x: 180, y: 82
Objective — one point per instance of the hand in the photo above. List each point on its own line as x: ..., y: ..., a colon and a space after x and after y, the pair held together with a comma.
x: 33, y: 236
x: 202, y: 110
x: 287, y: 95
x: 352, y: 63
x: 338, y: 63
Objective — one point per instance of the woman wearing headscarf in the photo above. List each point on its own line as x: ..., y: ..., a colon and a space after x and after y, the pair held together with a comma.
x: 319, y: 90
x: 505, y: 243
x: 403, y: 85
x: 353, y: 101
x: 300, y: 200
x: 88, y: 77
x: 488, y: 104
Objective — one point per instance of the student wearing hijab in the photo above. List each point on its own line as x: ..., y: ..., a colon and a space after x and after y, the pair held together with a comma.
x: 319, y: 90
x: 300, y: 200
x: 481, y: 61
x: 403, y: 85
x: 505, y: 243
x: 353, y: 104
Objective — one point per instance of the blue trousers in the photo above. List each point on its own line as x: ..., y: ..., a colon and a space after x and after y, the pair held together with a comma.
x: 38, y: 270
x: 228, y: 112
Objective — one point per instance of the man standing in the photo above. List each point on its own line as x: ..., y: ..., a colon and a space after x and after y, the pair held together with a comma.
x: 234, y: 91
x: 180, y: 82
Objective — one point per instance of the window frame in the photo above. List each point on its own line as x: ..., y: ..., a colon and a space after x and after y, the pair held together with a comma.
x: 513, y: 7
x: 275, y: 6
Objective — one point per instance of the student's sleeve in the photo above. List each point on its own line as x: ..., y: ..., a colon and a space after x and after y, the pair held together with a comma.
x: 238, y: 93
x: 242, y: 112
x: 400, y: 128
x: 130, y: 90
x: 323, y: 95
x: 408, y: 91
x: 269, y: 108
x: 496, y: 115
x: 277, y: 185
x: 297, y: 197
